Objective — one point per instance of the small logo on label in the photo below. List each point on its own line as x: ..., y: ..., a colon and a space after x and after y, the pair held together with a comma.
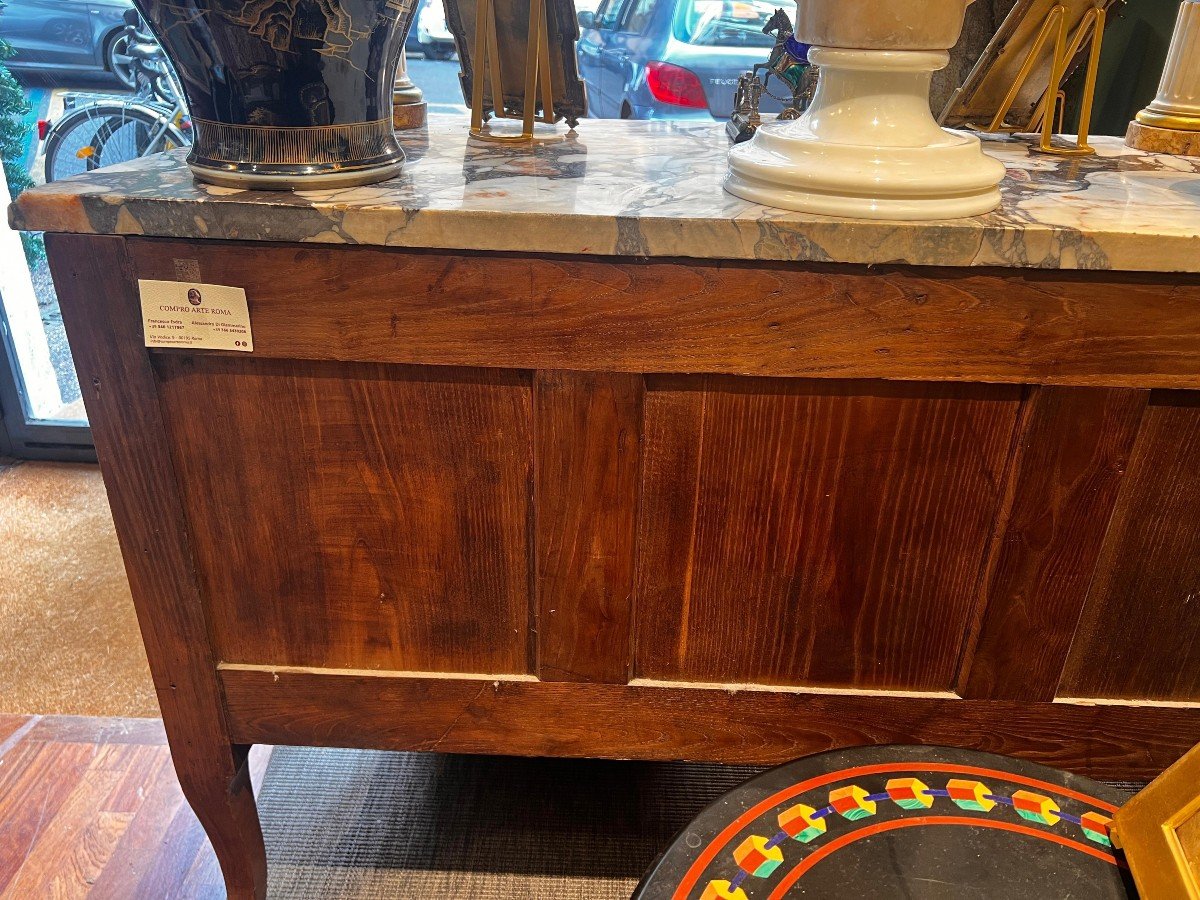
x: 194, y: 297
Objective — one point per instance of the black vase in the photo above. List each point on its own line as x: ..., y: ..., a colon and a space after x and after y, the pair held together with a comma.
x: 287, y: 93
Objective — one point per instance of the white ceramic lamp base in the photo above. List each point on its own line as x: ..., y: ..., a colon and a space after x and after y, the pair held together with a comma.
x: 868, y: 146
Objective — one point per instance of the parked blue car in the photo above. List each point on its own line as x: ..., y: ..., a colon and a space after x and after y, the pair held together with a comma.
x: 671, y: 59
x: 68, y: 36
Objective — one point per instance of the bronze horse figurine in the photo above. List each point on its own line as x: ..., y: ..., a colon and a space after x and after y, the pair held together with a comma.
x: 788, y: 60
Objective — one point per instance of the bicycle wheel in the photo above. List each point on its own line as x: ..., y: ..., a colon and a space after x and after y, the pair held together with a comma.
x: 133, y: 136
x: 105, y: 134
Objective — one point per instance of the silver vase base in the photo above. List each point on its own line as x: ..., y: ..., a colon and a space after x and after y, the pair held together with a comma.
x: 298, y: 181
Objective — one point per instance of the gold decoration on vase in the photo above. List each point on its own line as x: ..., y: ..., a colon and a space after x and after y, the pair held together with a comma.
x: 300, y: 146
x: 1171, y: 123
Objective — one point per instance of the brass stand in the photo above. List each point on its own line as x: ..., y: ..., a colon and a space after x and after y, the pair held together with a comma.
x: 537, y: 75
x: 1056, y: 23
x: 1171, y: 123
x: 409, y: 109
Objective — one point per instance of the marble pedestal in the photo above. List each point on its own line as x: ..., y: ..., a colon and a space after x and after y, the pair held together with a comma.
x: 1171, y: 123
x: 868, y: 146
x: 1162, y: 140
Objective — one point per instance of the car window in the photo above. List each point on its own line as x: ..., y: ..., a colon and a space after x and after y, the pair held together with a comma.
x: 637, y: 16
x: 723, y: 23
x: 608, y: 13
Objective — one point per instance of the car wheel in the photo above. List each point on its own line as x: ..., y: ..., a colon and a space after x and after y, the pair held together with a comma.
x: 117, y: 60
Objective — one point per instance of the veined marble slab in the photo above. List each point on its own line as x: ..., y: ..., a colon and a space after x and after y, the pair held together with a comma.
x: 654, y: 189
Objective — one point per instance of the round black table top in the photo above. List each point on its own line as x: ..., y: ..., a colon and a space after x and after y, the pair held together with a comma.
x: 913, y: 822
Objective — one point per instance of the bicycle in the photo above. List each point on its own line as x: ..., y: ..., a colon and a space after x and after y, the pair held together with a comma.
x: 102, y: 130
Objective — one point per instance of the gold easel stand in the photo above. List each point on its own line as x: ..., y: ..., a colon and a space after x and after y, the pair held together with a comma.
x: 1056, y: 23
x: 487, y: 66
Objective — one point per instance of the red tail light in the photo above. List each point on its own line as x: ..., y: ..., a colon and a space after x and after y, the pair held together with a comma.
x: 43, y: 127
x: 675, y: 85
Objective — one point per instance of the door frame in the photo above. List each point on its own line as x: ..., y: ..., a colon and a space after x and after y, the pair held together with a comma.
x: 21, y: 436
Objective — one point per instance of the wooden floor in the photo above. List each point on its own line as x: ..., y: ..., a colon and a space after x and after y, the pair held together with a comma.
x: 91, y: 808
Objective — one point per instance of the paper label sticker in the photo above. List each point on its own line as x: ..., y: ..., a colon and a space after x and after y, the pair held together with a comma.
x: 196, y: 316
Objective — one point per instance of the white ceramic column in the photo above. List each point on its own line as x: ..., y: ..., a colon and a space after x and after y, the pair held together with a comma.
x: 868, y: 145
x: 1178, y: 102
x: 1171, y: 123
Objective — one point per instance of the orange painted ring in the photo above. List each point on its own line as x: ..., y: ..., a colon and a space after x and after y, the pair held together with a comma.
x: 689, y: 880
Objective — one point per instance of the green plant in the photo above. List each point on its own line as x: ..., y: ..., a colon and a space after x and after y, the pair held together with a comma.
x: 14, y: 139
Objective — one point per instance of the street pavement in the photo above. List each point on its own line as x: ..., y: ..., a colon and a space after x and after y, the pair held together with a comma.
x: 438, y: 79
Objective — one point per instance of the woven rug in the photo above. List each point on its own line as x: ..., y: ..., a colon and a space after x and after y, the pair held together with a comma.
x: 64, y: 599
x: 342, y: 824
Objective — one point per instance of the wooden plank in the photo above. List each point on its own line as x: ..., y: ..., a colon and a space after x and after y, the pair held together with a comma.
x: 1063, y: 485
x: 96, y: 730
x: 672, y: 315
x: 70, y: 850
x: 1139, y: 636
x: 10, y: 725
x: 169, y: 871
x: 142, y: 852
x: 102, y: 819
x: 140, y: 768
x: 723, y: 724
x: 203, y: 880
x: 13, y: 731
x: 35, y: 783
x: 101, y: 311
x: 588, y: 440
x: 376, y: 516
x: 815, y: 532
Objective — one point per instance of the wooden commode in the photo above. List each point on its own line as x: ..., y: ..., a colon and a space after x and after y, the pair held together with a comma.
x: 564, y: 451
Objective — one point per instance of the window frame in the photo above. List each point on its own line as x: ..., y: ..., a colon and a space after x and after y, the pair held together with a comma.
x: 25, y: 438
x: 628, y: 6
x: 618, y: 6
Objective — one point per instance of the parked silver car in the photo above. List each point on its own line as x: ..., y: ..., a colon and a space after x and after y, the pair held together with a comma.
x: 68, y: 36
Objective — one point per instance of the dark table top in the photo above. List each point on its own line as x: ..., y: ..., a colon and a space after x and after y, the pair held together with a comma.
x: 914, y: 822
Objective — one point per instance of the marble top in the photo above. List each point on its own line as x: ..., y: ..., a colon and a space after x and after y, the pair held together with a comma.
x: 653, y: 189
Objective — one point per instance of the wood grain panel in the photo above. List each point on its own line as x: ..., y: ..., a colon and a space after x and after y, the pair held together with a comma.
x: 1139, y: 636
x: 588, y: 441
x: 1074, y: 448
x: 427, y: 307
x: 357, y: 516
x: 641, y: 722
x: 103, y: 320
x: 808, y: 532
